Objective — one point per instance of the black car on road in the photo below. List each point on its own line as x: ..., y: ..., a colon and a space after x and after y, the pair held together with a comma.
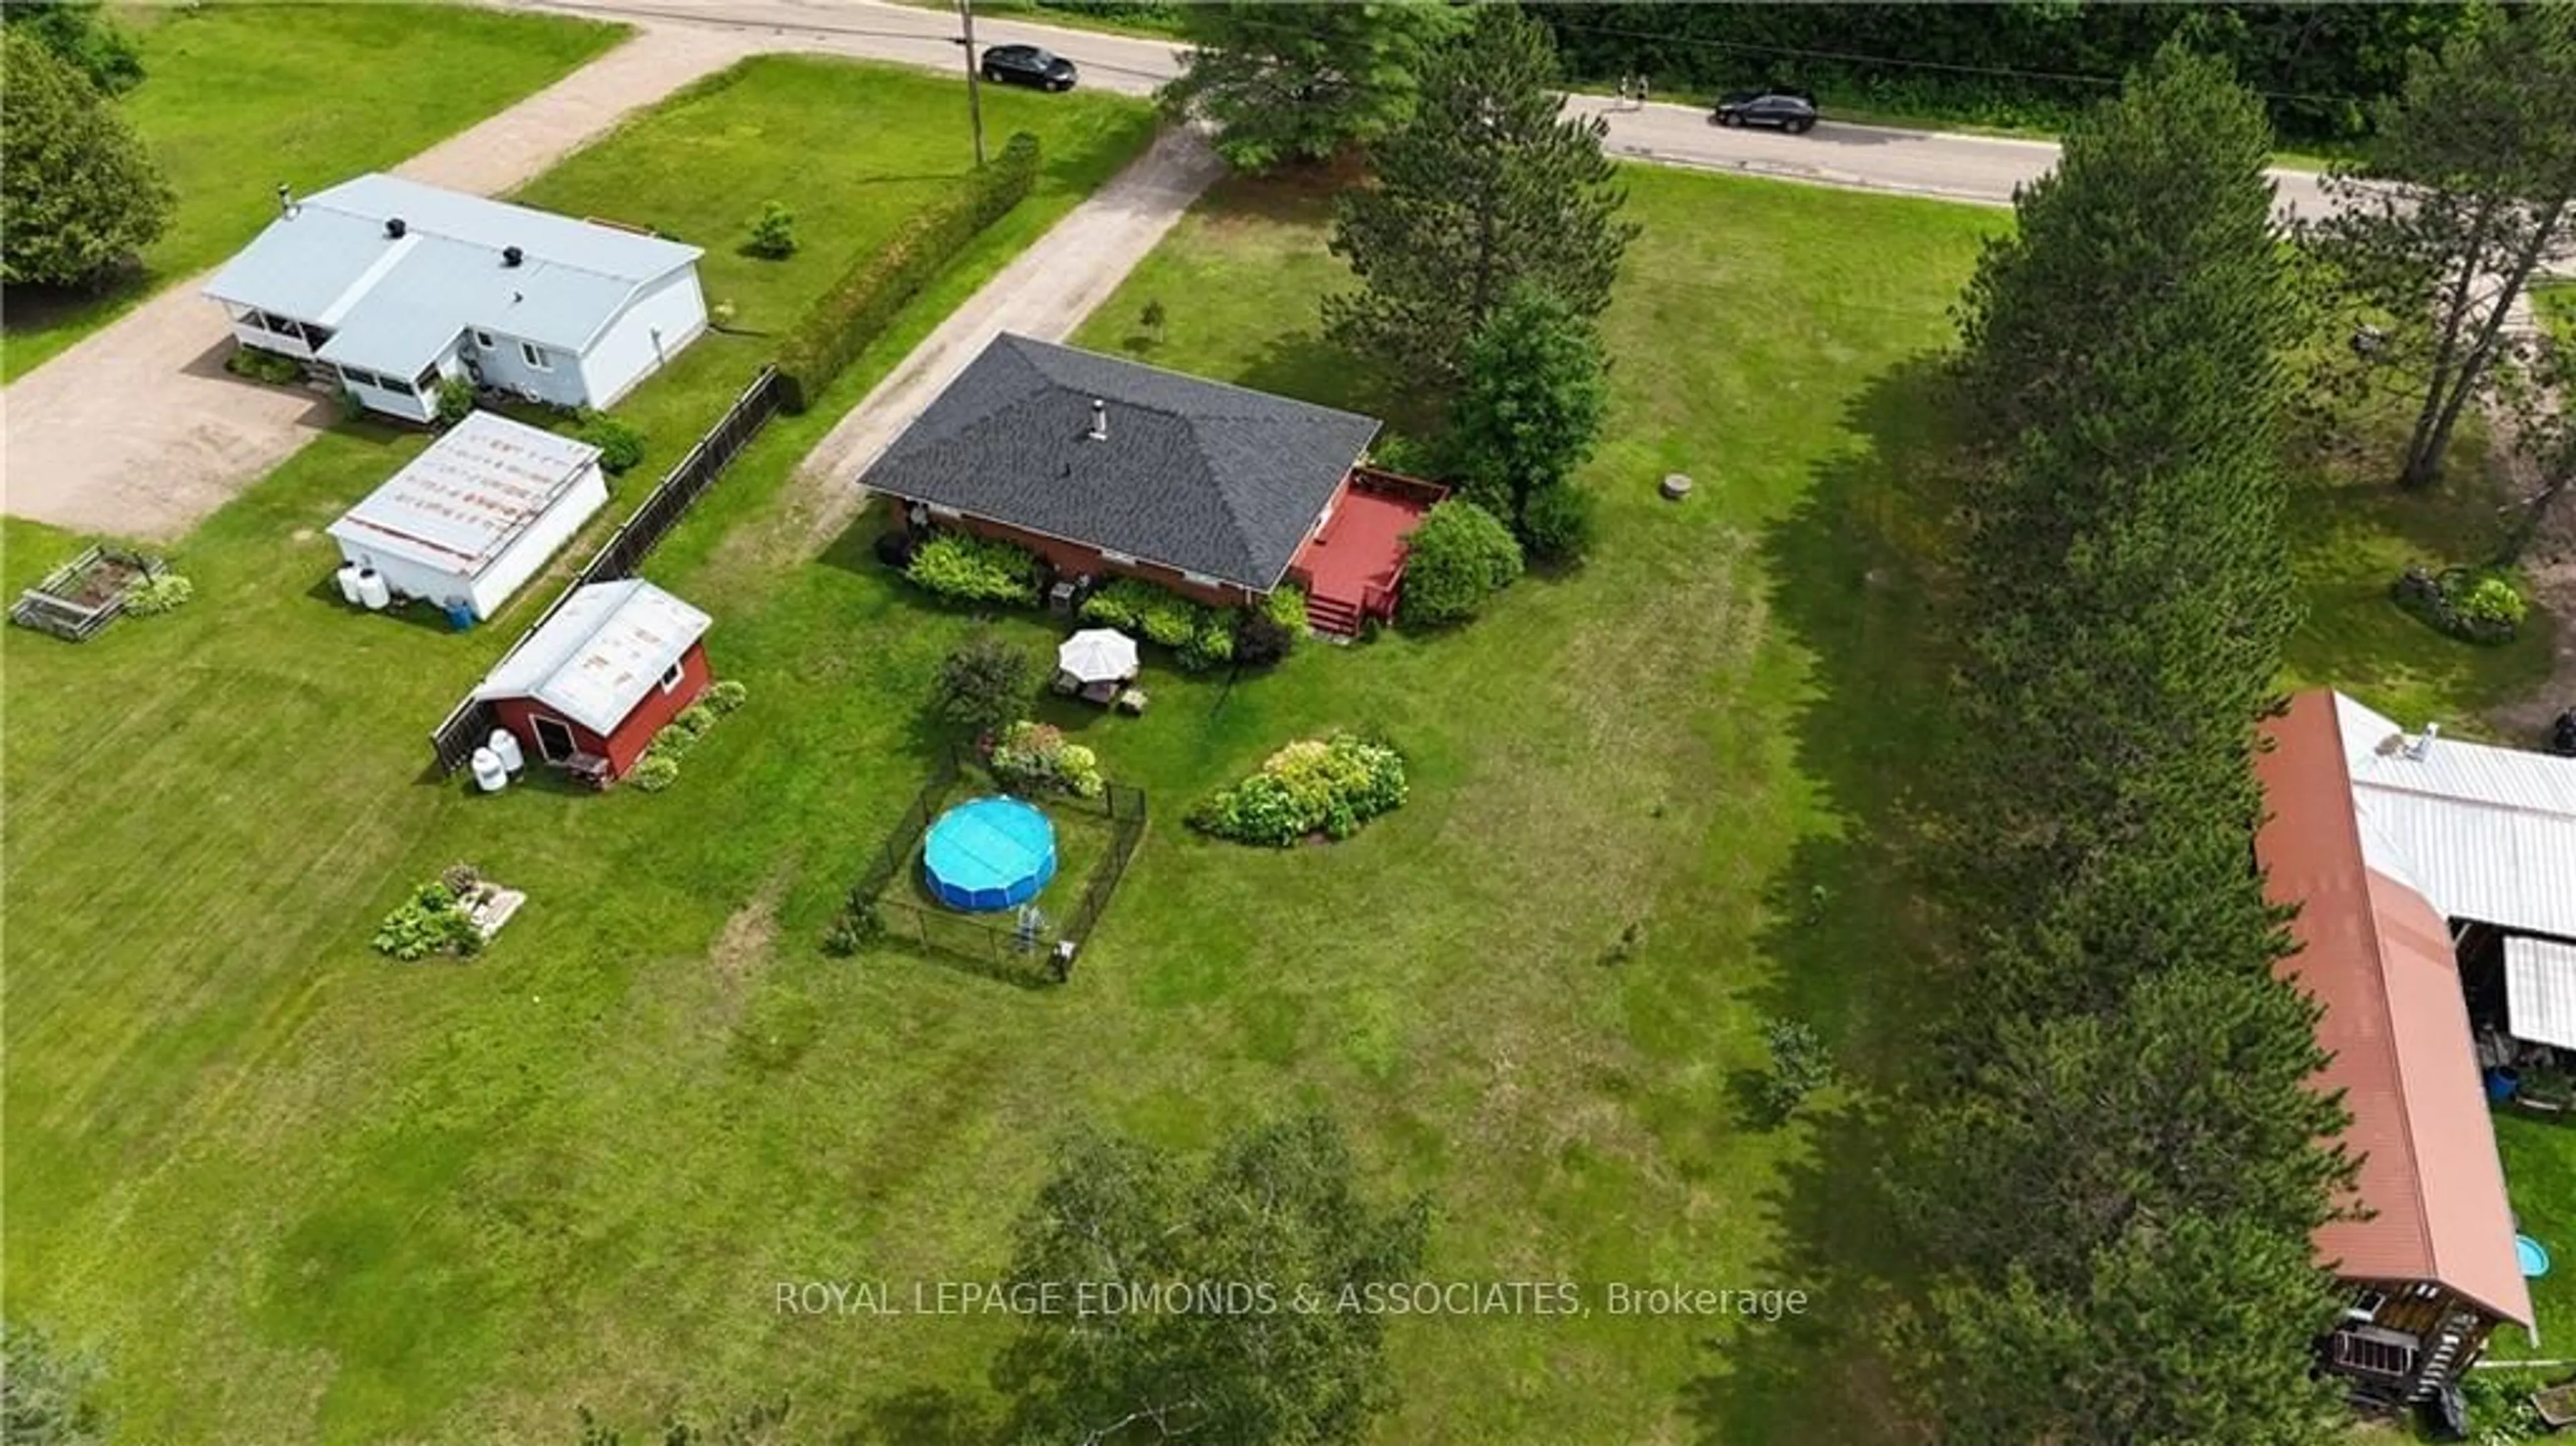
x: 1027, y: 65
x: 1789, y: 110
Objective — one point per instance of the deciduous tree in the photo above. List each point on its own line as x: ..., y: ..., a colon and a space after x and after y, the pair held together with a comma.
x: 1285, y: 83
x: 1529, y: 412
x: 2466, y: 191
x: 1487, y: 187
x: 984, y: 685
x: 81, y: 194
x: 1277, y: 1211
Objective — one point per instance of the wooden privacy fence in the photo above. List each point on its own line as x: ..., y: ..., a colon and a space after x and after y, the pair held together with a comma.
x: 453, y: 741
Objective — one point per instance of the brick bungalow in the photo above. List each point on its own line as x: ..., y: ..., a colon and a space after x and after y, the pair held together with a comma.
x: 1103, y: 466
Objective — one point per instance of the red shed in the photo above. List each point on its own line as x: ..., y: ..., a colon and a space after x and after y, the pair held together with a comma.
x: 589, y: 689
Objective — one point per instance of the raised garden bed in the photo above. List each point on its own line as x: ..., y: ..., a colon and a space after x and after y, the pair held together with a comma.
x: 84, y: 595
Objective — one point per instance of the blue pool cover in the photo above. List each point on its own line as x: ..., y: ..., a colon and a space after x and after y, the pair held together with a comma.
x: 2533, y: 1255
x: 993, y: 853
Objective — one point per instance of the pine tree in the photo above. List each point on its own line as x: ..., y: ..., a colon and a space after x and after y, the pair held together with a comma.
x: 82, y: 195
x: 1485, y: 188
x: 2126, y: 577
x: 1286, y: 83
x: 2467, y: 189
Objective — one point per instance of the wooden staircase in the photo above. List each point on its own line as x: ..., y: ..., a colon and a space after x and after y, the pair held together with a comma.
x: 1333, y: 615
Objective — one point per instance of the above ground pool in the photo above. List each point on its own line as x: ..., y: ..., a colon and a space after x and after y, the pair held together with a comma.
x: 990, y: 854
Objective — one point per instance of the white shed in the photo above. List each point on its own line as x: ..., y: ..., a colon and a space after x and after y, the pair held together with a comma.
x: 476, y: 514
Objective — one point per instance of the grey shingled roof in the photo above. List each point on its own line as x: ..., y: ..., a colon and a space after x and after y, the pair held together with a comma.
x: 1209, y: 478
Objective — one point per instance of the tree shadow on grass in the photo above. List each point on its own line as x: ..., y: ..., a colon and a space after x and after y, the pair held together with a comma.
x: 1854, y: 949
x: 924, y: 1416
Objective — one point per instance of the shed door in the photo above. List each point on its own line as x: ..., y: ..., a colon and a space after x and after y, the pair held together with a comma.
x: 554, y: 739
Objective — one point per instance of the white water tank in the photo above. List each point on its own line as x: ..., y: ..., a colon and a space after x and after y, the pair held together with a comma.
x: 489, y: 775
x: 506, y: 748
x: 347, y: 577
x: 372, y: 589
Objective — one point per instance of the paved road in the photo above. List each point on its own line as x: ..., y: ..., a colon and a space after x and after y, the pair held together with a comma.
x: 1978, y: 169
x: 139, y: 432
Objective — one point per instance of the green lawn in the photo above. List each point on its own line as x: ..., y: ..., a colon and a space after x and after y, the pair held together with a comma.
x: 293, y: 1192
x: 239, y: 97
x: 2540, y: 1178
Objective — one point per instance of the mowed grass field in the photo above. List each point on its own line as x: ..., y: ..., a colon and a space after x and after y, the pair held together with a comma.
x: 291, y: 1191
x: 237, y: 98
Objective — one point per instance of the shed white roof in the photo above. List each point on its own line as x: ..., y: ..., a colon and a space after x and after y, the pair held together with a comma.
x: 461, y: 503
x: 2540, y: 990
x: 2485, y: 833
x: 394, y: 303
x: 602, y: 652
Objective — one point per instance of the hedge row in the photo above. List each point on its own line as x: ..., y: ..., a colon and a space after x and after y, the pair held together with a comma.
x: 859, y: 307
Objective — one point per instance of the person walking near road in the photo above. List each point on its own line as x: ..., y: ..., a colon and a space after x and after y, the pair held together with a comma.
x: 1623, y: 91
x: 1641, y: 90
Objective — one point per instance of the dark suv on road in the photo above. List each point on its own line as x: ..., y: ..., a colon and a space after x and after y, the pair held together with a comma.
x: 1793, y: 111
x: 1027, y: 65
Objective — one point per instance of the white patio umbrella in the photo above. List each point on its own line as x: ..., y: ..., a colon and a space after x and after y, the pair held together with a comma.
x: 1098, y: 655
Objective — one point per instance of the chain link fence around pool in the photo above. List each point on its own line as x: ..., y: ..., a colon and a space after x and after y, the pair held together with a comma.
x: 1025, y: 946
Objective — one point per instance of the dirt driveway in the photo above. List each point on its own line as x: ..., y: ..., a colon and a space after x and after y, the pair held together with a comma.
x: 139, y: 432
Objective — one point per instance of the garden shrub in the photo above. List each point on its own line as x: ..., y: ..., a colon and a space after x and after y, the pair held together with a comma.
x: 773, y: 232
x: 1457, y: 557
x: 1799, y: 1067
x: 658, y: 771
x: 1313, y: 786
x: 1261, y: 640
x: 1034, y: 757
x: 1201, y: 637
x: 620, y: 446
x: 2475, y: 606
x: 673, y: 742
x: 697, y: 718
x: 1286, y: 606
x: 454, y: 400
x: 984, y: 683
x: 273, y: 367
x: 1556, y: 522
x: 158, y: 594
x: 866, y: 298
x: 350, y: 404
x: 726, y: 696
x: 968, y: 568
x: 431, y: 921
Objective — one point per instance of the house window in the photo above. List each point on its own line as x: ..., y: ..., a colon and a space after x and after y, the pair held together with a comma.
x: 535, y: 356
x: 357, y: 378
x: 428, y: 378
x: 671, y: 679
x: 1120, y: 558
x: 483, y: 340
x: 2365, y: 1306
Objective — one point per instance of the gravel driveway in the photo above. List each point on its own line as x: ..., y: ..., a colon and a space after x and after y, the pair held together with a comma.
x: 139, y: 432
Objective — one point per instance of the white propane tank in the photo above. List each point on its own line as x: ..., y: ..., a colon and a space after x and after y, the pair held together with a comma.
x: 489, y: 775
x: 347, y: 577
x: 506, y: 748
x: 373, y: 590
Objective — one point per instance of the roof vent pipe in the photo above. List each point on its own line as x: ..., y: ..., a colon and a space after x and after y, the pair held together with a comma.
x: 2424, y: 745
x: 394, y: 228
x: 1099, y: 420
x: 285, y: 200
x: 511, y: 255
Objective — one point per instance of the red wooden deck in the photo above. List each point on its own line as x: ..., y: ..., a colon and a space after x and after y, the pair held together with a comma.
x: 1352, y: 566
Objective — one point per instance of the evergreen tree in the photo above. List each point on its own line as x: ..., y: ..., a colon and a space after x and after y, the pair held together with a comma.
x: 81, y: 194
x: 1285, y: 83
x: 1278, y: 1207
x: 2126, y: 579
x: 2184, y: 1332
x: 1529, y: 411
x: 2465, y: 192
x: 1485, y: 188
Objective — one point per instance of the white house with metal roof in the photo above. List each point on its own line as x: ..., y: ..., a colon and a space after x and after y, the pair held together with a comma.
x: 606, y: 671
x: 389, y: 286
x: 476, y: 514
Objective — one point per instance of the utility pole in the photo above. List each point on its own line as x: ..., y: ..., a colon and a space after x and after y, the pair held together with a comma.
x: 974, y: 76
